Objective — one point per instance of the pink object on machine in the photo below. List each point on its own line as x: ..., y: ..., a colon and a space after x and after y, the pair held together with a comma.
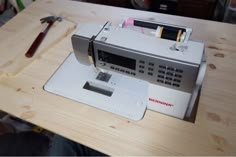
x: 129, y: 21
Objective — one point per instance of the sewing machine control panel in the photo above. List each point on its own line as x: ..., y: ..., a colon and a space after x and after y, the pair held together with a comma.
x: 155, y: 70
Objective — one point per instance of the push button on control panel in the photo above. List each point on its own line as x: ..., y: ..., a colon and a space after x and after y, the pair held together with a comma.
x: 170, y: 68
x: 141, y: 66
x: 141, y: 71
x: 159, y: 80
x: 150, y: 69
x: 161, y: 71
x: 177, y: 75
x: 176, y: 80
x: 176, y: 85
x: 169, y: 78
x: 151, y: 64
x: 169, y: 73
x: 127, y: 72
x: 167, y: 82
x: 162, y: 66
x: 122, y: 70
x: 161, y: 76
x: 141, y: 61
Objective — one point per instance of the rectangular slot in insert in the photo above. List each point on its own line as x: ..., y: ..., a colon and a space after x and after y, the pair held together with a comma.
x: 98, y: 88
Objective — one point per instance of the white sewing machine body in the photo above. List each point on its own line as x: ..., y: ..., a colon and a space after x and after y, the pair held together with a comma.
x: 163, y: 73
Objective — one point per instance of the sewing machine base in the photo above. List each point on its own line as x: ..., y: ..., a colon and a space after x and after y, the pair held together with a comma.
x: 109, y: 91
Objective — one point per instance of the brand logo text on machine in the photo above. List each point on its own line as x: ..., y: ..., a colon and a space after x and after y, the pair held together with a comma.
x: 160, y: 102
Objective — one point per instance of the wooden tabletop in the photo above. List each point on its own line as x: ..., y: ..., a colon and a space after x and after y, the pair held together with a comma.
x: 213, y: 133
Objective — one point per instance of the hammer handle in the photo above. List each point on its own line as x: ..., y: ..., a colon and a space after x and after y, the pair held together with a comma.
x: 38, y: 41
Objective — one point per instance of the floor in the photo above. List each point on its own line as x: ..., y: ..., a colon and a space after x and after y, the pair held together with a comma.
x: 2, y: 114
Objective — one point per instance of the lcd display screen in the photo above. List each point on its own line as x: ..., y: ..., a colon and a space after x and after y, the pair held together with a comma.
x: 116, y: 59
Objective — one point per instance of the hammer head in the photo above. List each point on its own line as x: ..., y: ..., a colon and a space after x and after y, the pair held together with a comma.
x: 51, y: 19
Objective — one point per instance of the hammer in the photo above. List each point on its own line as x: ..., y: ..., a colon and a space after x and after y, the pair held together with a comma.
x: 50, y: 21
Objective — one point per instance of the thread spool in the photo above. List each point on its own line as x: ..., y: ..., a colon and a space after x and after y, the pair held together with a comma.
x: 170, y: 33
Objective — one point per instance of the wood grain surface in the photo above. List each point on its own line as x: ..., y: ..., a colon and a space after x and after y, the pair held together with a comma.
x: 213, y: 133
x: 13, y: 47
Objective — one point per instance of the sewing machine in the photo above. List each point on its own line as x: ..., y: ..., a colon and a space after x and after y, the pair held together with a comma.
x: 128, y: 68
